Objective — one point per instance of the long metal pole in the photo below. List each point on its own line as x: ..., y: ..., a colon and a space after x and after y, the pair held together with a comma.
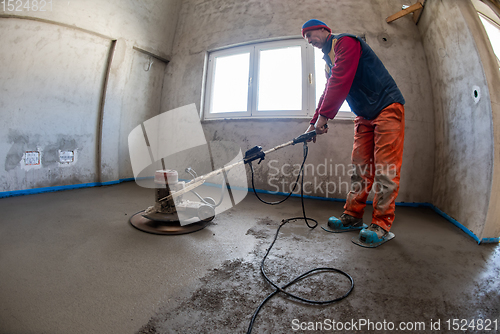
x: 201, y: 179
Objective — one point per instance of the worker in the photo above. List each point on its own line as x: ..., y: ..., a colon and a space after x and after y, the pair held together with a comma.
x: 357, y: 75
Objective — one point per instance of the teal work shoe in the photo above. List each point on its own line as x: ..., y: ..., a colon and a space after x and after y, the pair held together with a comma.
x: 372, y: 236
x: 345, y: 223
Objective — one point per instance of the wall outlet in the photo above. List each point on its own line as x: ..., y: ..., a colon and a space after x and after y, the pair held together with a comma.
x: 32, y: 158
x: 66, y: 157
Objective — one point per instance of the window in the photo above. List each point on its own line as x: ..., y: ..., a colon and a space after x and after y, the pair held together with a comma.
x: 493, y: 31
x: 269, y: 79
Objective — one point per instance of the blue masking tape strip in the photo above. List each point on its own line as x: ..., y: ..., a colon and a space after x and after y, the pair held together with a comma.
x: 60, y: 188
x: 405, y: 204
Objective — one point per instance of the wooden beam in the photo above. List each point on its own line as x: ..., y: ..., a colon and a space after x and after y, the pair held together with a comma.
x: 411, y: 9
x: 417, y: 13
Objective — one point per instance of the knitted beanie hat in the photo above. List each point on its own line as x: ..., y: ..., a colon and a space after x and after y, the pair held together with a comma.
x: 313, y: 25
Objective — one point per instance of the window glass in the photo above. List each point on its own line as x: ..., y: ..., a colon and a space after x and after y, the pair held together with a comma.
x: 280, y: 79
x: 230, y: 86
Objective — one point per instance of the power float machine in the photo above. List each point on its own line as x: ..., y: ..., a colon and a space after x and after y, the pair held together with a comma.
x: 173, y: 214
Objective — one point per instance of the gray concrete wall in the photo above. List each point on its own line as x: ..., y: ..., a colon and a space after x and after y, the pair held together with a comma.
x: 466, y: 128
x: 206, y: 25
x: 50, y: 90
x: 142, y: 98
x: 147, y: 24
x: 489, y: 61
x: 53, y: 79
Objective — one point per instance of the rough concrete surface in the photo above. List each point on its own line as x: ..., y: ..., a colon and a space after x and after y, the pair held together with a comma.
x: 71, y: 263
x: 464, y: 161
x: 50, y: 101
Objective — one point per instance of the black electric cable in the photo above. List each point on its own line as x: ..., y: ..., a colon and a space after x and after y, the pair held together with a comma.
x: 306, y: 150
x: 308, y: 273
x: 277, y: 202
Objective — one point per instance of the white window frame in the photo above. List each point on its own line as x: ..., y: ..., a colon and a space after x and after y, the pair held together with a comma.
x: 308, y: 82
x: 211, y: 78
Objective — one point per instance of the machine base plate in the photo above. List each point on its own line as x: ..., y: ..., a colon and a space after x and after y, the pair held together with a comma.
x: 164, y: 226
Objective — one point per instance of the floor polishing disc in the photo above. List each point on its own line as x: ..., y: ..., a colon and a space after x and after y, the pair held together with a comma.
x: 164, y: 225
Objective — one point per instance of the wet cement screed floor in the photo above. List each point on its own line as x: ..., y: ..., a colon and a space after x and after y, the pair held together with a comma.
x: 70, y: 262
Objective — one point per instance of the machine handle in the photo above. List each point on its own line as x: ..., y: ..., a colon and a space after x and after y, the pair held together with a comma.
x: 304, y: 137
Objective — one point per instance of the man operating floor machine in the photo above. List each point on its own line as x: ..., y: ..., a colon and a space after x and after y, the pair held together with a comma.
x: 173, y: 214
x: 356, y: 74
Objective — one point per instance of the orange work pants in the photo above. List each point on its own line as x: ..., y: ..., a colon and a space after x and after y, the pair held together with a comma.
x: 377, y: 156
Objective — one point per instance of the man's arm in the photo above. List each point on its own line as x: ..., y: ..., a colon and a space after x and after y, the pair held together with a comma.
x: 347, y: 53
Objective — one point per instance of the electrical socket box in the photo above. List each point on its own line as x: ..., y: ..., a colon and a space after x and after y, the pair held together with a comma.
x: 32, y: 158
x: 66, y: 157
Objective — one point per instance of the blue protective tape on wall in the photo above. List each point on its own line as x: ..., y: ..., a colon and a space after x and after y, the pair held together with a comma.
x: 60, y: 188
x: 413, y: 205
x: 456, y: 223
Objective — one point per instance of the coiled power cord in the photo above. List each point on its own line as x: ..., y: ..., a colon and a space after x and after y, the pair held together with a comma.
x: 314, y: 271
